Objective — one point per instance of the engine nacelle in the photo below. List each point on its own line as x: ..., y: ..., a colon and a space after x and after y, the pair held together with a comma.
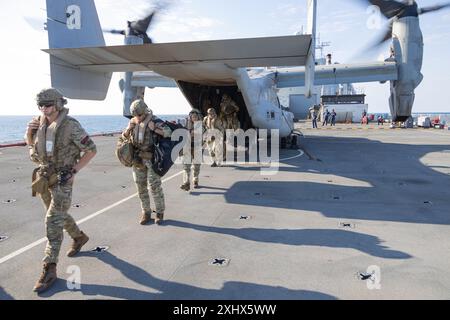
x: 408, y: 50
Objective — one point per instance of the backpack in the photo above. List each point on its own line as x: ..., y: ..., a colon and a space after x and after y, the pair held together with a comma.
x: 125, y: 151
x: 162, y: 155
x: 171, y: 125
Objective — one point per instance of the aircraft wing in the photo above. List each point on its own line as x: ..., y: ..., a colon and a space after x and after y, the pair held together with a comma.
x: 202, y: 62
x: 234, y: 53
x: 339, y: 73
x: 152, y: 80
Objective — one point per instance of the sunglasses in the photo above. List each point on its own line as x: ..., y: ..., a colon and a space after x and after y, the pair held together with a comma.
x: 47, y: 105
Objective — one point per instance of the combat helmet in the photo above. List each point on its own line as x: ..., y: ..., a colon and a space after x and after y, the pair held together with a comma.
x: 139, y: 107
x: 51, y: 96
x: 196, y: 111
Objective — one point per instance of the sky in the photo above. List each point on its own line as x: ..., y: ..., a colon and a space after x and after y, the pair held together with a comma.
x: 347, y: 24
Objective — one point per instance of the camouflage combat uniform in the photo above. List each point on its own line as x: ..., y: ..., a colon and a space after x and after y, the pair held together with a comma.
x: 228, y: 113
x: 143, y: 174
x: 215, y: 145
x: 69, y: 140
x: 190, y: 160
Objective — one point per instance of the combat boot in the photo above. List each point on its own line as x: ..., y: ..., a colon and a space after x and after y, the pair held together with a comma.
x: 195, y: 184
x: 48, y: 277
x: 146, y: 217
x: 159, y: 218
x: 77, y: 244
x: 214, y: 165
x: 185, y: 186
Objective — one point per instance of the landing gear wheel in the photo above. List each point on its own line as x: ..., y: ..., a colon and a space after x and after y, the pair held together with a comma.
x: 294, y: 144
x: 283, y: 143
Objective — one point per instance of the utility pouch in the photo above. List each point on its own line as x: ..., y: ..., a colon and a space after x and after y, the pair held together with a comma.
x: 41, y: 181
x: 39, y: 185
x: 33, y: 180
x: 52, y: 180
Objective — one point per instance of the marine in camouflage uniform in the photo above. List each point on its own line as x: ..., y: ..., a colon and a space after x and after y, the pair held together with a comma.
x: 190, y: 161
x: 215, y: 144
x: 228, y: 113
x: 140, y: 131
x: 61, y: 147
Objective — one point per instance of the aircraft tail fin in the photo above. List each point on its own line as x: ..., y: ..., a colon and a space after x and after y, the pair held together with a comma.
x: 75, y: 25
x: 311, y: 58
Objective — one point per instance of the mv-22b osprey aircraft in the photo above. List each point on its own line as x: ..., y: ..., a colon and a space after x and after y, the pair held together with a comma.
x: 81, y: 64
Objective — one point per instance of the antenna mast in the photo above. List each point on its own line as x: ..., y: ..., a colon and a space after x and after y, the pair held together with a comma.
x: 322, y: 45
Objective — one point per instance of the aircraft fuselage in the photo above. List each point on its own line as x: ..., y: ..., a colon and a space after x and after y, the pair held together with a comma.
x: 256, y: 97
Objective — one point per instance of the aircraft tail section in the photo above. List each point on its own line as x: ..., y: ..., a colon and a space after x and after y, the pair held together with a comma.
x: 75, y: 24
x: 311, y: 58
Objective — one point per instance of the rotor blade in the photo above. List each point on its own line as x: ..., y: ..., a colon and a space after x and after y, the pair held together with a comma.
x: 389, y: 8
x: 146, y: 38
x: 371, y: 47
x: 385, y: 36
x: 142, y: 25
x: 35, y: 23
x: 139, y: 27
x: 433, y: 8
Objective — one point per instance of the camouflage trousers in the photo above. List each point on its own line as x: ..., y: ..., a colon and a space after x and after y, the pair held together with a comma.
x: 195, y: 168
x: 215, y: 149
x: 57, y: 201
x: 144, y: 176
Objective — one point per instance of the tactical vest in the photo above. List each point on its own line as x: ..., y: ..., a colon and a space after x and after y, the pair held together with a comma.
x: 142, y: 138
x: 53, y: 145
x: 228, y: 107
x: 191, y: 126
x: 215, y: 123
